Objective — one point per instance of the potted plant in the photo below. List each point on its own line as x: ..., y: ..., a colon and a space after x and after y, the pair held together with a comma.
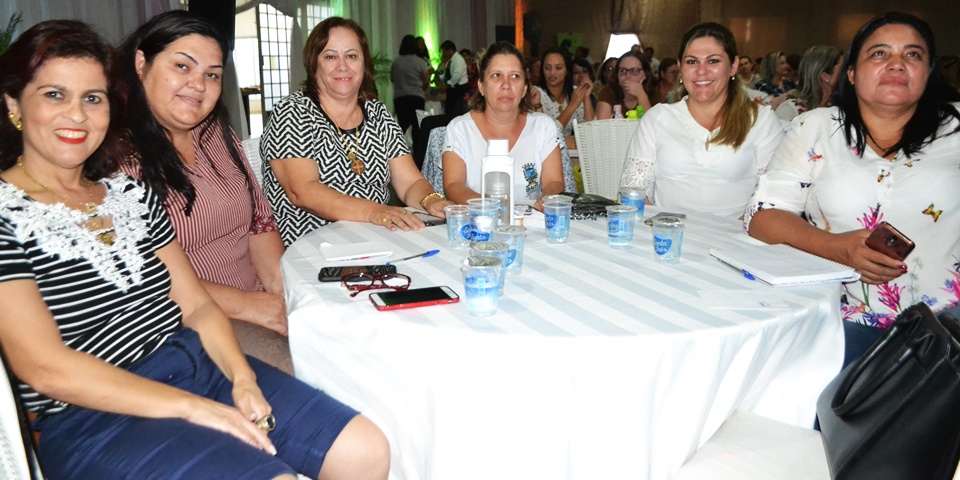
x: 6, y: 35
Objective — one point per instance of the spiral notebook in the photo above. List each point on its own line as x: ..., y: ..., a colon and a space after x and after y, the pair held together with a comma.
x: 781, y: 265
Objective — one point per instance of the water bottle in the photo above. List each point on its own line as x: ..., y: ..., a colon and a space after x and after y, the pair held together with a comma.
x: 496, y: 177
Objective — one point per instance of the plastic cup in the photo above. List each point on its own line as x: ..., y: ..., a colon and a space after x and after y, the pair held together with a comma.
x: 513, y: 236
x: 635, y: 197
x: 481, y: 279
x: 484, y: 216
x: 459, y: 228
x: 620, y: 222
x: 668, y: 238
x: 493, y: 249
x: 556, y: 215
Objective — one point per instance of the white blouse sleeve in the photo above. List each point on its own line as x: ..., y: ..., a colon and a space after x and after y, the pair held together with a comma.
x: 639, y: 169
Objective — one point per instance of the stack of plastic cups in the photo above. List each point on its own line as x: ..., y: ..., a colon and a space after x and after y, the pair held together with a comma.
x: 635, y: 197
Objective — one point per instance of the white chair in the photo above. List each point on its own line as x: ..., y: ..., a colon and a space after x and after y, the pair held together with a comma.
x: 431, y: 169
x: 602, y: 145
x: 16, y: 452
x: 751, y: 447
x: 251, y: 147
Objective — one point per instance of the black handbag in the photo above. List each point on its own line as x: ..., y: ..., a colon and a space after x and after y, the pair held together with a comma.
x: 895, y: 412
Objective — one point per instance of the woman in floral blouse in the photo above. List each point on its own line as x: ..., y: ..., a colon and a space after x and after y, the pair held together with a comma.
x: 886, y: 152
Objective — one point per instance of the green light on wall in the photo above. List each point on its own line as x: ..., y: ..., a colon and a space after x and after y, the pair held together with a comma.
x: 427, y: 28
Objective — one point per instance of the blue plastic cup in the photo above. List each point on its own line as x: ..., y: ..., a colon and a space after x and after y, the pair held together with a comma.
x: 493, y: 249
x: 481, y: 280
x: 556, y: 215
x: 513, y: 236
x: 635, y: 197
x: 484, y: 217
x: 620, y: 222
x: 668, y: 238
x: 459, y: 228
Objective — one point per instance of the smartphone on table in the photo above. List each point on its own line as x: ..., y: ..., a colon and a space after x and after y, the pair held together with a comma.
x: 429, y: 220
x: 334, y: 274
x: 416, y: 297
x: 889, y: 241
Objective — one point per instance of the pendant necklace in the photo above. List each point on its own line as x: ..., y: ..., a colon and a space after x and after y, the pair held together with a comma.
x: 107, y: 238
x: 355, y: 163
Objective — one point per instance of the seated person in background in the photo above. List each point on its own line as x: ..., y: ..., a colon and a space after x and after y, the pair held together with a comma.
x: 704, y: 152
x: 132, y: 369
x: 745, y: 73
x: 667, y: 75
x: 500, y: 110
x: 557, y: 96
x: 193, y: 161
x: 628, y: 88
x: 886, y: 152
x: 331, y: 149
x: 819, y: 74
x: 583, y: 77
x: 773, y: 72
x: 607, y: 72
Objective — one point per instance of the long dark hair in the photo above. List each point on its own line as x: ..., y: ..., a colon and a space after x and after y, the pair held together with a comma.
x: 317, y: 41
x: 932, y: 111
x: 615, y: 83
x: 161, y: 166
x: 408, y: 45
x: 567, y: 61
x: 19, y: 65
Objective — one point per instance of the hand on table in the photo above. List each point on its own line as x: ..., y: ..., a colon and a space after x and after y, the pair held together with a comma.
x: 395, y: 217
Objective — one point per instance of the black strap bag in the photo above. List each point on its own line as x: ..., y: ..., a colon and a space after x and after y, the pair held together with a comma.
x: 895, y: 412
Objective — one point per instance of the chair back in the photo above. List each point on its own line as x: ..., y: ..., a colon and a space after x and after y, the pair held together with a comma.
x: 431, y: 161
x: 251, y: 147
x: 602, y: 145
x: 16, y: 462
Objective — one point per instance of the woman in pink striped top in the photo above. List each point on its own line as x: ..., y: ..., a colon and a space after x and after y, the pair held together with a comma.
x: 191, y: 158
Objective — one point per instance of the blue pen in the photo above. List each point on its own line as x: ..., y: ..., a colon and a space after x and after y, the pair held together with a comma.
x: 411, y: 257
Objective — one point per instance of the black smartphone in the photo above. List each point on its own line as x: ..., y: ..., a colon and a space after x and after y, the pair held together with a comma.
x: 430, y: 220
x: 889, y: 241
x: 649, y: 222
x: 334, y: 274
x: 416, y: 297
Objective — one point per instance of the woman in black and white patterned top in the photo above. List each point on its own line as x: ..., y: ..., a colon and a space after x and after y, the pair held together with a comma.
x: 333, y: 150
x: 131, y: 368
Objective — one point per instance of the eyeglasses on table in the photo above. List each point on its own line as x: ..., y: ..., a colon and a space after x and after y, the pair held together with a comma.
x: 360, y: 282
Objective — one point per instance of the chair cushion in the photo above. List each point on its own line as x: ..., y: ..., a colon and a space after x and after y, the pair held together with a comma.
x: 749, y: 446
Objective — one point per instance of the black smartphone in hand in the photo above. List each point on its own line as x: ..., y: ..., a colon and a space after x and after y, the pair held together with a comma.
x: 889, y: 241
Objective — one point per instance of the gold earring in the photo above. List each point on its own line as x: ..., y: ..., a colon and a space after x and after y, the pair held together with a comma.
x: 681, y: 80
x: 15, y: 120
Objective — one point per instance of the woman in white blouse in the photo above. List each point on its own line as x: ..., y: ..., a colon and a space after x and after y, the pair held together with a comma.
x: 886, y: 152
x: 703, y: 153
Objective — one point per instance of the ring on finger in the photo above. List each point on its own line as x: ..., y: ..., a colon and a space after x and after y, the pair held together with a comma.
x: 267, y: 423
x: 385, y: 220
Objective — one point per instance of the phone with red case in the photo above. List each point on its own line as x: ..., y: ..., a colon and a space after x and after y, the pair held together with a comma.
x: 416, y: 297
x: 890, y: 242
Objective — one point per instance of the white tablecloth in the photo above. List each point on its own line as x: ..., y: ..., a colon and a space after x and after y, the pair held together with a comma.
x: 599, y: 364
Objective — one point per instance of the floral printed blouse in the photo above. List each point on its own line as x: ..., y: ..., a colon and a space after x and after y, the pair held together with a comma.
x: 817, y: 175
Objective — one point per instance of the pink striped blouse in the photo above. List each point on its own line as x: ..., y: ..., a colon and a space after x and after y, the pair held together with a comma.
x: 216, y: 234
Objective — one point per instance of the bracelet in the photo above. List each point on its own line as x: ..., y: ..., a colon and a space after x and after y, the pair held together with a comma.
x: 434, y: 194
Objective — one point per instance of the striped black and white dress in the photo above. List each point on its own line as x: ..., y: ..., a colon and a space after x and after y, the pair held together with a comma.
x: 109, y: 301
x: 298, y: 128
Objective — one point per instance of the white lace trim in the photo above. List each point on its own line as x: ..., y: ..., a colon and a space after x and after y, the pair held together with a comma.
x: 57, y: 229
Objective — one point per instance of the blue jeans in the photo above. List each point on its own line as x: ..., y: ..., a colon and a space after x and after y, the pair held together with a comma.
x: 81, y: 443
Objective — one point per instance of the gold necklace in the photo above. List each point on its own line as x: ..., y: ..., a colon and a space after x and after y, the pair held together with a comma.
x: 355, y: 163
x: 95, y: 223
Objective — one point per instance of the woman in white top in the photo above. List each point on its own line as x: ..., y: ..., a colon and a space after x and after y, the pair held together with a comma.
x: 703, y: 153
x: 819, y: 74
x: 500, y: 110
x: 886, y: 152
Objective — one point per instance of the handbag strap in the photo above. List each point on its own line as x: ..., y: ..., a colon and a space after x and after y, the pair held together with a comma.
x: 843, y: 403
